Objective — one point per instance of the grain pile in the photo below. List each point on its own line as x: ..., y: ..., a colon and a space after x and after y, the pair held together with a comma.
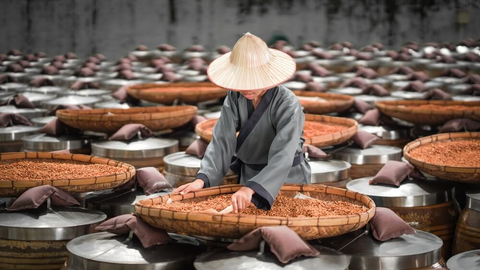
x: 313, y: 129
x: 462, y: 153
x: 283, y: 206
x: 27, y: 170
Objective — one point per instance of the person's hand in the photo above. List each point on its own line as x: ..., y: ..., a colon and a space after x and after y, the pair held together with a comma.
x: 241, y: 199
x: 193, y: 186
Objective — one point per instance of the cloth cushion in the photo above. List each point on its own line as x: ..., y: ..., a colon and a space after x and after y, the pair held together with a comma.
x: 376, y: 90
x: 371, y: 118
x: 34, y: 197
x: 197, y: 148
x: 392, y: 173
x: 436, y: 94
x: 313, y: 151
x: 362, y: 106
x: 129, y: 131
x: 460, y: 125
x: 151, y: 180
x: 364, y: 139
x: 6, y: 119
x: 283, y: 242
x: 386, y: 225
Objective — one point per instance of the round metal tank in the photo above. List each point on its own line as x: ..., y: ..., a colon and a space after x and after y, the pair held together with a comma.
x: 46, y: 143
x: 330, y: 172
x: 11, y: 137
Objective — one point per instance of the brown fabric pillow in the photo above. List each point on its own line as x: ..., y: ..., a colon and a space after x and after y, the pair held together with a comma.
x: 41, y: 81
x: 315, y: 87
x: 197, y: 148
x: 362, y: 106
x: 195, y: 66
x: 364, y: 56
x: 157, y: 63
x: 30, y: 57
x: 126, y: 75
x: 5, y: 78
x: 367, y: 73
x: 376, y: 90
x: 60, y: 58
x: 121, y: 94
x: 151, y: 180
x: 6, y: 119
x: 302, y: 77
x: 471, y: 57
x: 14, y: 68
x: 196, y: 48
x: 415, y: 86
x: 472, y: 90
x: 20, y: 101
x: 58, y: 65
x: 170, y: 77
x: 402, y: 70
x: 41, y: 54
x: 84, y: 85
x: 122, y: 66
x: 54, y: 127
x: 386, y: 225
x: 317, y: 70
x: 446, y: 59
x: 418, y: 76
x: 91, y: 66
x: 313, y: 151
x: 24, y: 63
x: 93, y: 59
x: 283, y: 242
x: 50, y: 70
x: 460, y: 125
x: 84, y: 72
x: 197, y: 119
x: 34, y: 197
x: 321, y: 54
x: 71, y: 56
x: 164, y: 69
x: 147, y: 234
x: 195, y: 59
x: 456, y: 73
x: 141, y: 48
x: 371, y: 118
x: 127, y: 132
x: 392, y: 173
x: 436, y: 94
x: 472, y: 79
x: 15, y: 52
x: 166, y: 47
x: 355, y: 82
x: 364, y: 139
x: 223, y: 50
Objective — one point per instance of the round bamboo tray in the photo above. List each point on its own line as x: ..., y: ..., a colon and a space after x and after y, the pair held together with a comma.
x: 205, y: 131
x: 12, y: 188
x: 334, y: 102
x: 168, y: 93
x: 110, y: 120
x: 409, y: 111
x: 468, y: 175
x: 237, y: 225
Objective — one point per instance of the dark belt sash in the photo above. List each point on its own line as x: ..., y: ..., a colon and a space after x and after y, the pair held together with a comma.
x: 237, y: 164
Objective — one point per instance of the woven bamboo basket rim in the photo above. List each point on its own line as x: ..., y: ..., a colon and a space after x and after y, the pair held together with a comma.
x: 153, y: 92
x: 85, y: 182
x: 456, y: 136
x: 333, y: 103
x: 202, y: 129
x: 410, y: 107
x: 144, y: 207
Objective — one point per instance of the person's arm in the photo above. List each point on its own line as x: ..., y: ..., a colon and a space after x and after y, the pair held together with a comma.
x: 218, y: 156
x: 266, y: 184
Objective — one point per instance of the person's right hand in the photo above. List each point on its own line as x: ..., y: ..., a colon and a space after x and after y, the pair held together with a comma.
x: 193, y: 186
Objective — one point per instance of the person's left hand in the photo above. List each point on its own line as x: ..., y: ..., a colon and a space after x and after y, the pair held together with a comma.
x: 241, y: 199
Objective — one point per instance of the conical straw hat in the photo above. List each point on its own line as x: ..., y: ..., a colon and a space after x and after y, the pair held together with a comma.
x: 251, y: 65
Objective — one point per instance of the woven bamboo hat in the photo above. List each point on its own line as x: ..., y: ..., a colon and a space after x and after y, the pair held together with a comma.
x: 251, y: 65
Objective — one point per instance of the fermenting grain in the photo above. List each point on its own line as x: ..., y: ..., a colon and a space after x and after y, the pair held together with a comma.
x: 25, y: 170
x: 312, y: 129
x: 283, y: 206
x: 462, y: 153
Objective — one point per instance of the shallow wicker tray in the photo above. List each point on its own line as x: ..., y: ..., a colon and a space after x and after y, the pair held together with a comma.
x: 80, y: 185
x: 334, y: 102
x: 450, y: 173
x: 110, y: 120
x: 416, y: 115
x: 237, y: 225
x: 204, y: 131
x: 185, y: 92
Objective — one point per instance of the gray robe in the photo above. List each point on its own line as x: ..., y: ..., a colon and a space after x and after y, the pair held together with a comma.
x: 268, y: 151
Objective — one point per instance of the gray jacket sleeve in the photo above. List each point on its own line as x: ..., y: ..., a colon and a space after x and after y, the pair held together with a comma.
x: 289, y: 120
x: 220, y: 150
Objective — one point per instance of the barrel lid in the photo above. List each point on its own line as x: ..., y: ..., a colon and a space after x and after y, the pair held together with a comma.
x: 184, y: 137
x: 213, y: 115
x: 41, y: 121
x: 328, y: 79
x: 400, y: 84
x: 381, y: 81
x: 375, y: 154
x: 88, y: 92
x: 444, y: 65
x: 465, y: 261
x: 115, y: 203
x: 46, y: 143
x: 122, y: 82
x: 48, y: 90
x: 412, y: 251
x: 136, y: 148
x: 387, y: 132
x: 447, y: 80
x: 395, y: 77
x: 27, y: 112
x: 372, y: 99
x: 16, y: 133
x: 198, y: 78
x: 224, y: 259
x: 457, y: 88
x: 53, y: 224
x: 13, y: 86
x: 352, y: 91
x: 112, y: 105
x: 182, y: 164
x: 410, y: 193
x: 347, y: 75
x: 71, y: 100
x: 295, y: 85
x: 423, y: 61
x: 188, y: 72
x: 407, y: 95
x: 329, y: 170
x: 473, y: 199
x: 104, y: 250
x: 466, y: 98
